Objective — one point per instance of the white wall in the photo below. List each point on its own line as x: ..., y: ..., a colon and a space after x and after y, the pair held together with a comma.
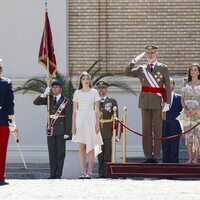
x: 31, y: 122
x: 22, y: 23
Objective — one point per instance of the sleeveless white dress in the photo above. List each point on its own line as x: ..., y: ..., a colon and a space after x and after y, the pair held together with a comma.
x: 86, y: 120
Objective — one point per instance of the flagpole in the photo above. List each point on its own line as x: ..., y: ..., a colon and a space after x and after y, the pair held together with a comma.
x: 48, y: 80
x: 47, y: 58
x: 48, y: 96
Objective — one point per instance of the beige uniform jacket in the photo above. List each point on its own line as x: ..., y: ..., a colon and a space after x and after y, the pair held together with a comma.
x: 160, y: 74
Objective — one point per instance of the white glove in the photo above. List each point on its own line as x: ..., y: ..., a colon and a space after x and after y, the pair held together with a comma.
x: 12, y: 127
x: 166, y: 107
x: 66, y: 136
x: 46, y: 92
x: 139, y: 57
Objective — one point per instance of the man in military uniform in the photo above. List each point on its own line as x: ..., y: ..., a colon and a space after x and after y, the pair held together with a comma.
x: 106, y: 109
x: 6, y: 120
x: 61, y: 120
x: 155, y: 96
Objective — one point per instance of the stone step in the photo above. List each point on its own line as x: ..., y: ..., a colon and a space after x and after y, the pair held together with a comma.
x: 152, y: 170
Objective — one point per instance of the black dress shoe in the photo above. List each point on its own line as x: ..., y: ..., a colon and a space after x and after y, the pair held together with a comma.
x: 51, y: 177
x: 57, y: 177
x: 102, y: 176
x: 69, y: 138
x: 155, y: 161
x: 3, y: 183
x: 149, y: 160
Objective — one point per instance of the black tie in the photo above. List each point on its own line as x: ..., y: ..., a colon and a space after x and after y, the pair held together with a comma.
x: 55, y: 100
x: 101, y: 102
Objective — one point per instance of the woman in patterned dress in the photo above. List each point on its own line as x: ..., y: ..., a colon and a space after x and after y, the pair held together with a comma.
x: 190, y: 116
x: 85, y: 123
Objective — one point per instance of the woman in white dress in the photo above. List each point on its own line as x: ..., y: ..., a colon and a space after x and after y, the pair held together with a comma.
x: 85, y: 123
x: 190, y: 116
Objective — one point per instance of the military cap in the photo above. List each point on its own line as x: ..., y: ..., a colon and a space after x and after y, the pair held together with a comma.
x: 151, y: 48
x: 56, y: 83
x: 102, y: 84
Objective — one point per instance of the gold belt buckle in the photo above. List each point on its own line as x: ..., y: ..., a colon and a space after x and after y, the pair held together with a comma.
x: 54, y: 116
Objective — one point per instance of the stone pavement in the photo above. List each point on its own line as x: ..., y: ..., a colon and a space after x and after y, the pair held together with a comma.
x: 100, y: 189
x: 34, y: 171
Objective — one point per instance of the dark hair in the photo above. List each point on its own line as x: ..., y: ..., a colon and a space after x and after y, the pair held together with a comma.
x: 80, y: 85
x: 1, y: 69
x: 193, y: 65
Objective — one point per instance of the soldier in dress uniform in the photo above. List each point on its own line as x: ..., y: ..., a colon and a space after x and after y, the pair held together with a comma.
x: 106, y: 109
x: 7, y: 121
x: 61, y: 120
x: 155, y: 96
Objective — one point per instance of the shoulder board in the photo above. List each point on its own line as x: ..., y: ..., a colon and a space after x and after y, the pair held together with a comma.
x: 177, y: 95
x: 143, y: 66
x: 65, y: 98
x: 162, y: 65
x: 111, y: 99
x: 6, y: 79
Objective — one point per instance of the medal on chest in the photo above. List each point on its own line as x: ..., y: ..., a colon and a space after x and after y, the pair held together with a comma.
x: 158, y: 76
x: 108, y: 107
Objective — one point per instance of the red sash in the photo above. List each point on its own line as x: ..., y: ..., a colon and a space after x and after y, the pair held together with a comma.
x: 162, y: 91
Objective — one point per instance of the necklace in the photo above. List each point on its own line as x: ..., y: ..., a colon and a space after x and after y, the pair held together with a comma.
x: 194, y: 83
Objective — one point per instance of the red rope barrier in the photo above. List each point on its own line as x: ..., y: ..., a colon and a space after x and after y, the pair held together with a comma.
x: 159, y: 138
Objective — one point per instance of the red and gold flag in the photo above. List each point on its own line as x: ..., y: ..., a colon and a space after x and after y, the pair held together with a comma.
x: 46, y: 48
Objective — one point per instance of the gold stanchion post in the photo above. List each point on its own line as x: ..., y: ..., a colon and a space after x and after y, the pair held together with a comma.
x: 124, y: 134
x: 114, y: 134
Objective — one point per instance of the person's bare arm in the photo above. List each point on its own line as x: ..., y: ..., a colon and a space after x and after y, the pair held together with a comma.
x: 97, y: 126
x: 187, y: 112
x: 75, y: 108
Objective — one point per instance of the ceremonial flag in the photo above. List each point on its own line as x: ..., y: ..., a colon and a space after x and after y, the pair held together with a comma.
x: 46, y: 55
